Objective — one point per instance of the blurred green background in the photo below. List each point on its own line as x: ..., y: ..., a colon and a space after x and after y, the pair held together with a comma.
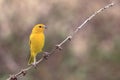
x: 93, y: 54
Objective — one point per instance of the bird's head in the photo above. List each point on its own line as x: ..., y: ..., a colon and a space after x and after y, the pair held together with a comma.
x: 39, y: 28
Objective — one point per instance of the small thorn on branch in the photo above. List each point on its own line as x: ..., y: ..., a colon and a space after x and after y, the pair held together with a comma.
x: 58, y: 47
x: 23, y: 72
x: 13, y: 77
x: 70, y: 38
x: 46, y: 55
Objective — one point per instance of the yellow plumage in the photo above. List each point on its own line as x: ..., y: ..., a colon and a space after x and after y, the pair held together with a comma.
x: 37, y: 40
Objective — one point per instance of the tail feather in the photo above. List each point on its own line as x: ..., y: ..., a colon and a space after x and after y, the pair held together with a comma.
x: 31, y: 60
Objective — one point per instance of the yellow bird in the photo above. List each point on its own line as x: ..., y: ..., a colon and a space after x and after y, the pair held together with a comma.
x: 37, y: 39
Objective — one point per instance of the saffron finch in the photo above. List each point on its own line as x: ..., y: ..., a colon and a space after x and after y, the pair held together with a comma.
x: 36, y: 43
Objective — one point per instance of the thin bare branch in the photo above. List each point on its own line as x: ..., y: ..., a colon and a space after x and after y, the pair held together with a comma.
x: 59, y: 46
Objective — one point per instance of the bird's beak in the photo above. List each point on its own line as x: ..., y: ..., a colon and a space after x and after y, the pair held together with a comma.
x: 45, y: 27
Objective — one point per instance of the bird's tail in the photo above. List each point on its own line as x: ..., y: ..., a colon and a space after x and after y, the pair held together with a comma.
x: 31, y: 60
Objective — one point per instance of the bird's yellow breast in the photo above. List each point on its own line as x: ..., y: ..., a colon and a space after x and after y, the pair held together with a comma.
x: 36, y: 42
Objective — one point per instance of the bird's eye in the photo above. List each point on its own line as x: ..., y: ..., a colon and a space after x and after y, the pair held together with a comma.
x: 40, y: 26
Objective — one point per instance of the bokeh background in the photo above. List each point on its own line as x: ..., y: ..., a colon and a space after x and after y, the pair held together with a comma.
x: 93, y: 54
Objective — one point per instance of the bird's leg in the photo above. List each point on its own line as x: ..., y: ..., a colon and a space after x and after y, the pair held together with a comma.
x: 34, y: 63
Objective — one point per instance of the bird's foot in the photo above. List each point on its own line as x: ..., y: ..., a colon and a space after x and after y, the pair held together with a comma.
x: 34, y: 65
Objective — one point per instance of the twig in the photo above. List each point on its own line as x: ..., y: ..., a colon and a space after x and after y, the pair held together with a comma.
x: 59, y: 46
